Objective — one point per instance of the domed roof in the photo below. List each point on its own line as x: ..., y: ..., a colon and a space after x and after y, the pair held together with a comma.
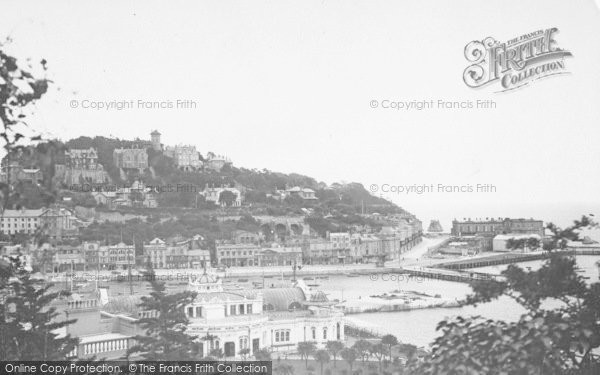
x: 205, y: 283
x: 205, y: 279
x: 282, y: 298
x: 319, y: 296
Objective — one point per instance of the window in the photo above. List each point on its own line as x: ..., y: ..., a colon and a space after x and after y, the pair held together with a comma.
x: 241, y: 309
x: 232, y: 310
x: 190, y: 311
x: 199, y: 311
x: 314, y: 333
x: 249, y: 308
x: 324, y: 333
x: 282, y: 335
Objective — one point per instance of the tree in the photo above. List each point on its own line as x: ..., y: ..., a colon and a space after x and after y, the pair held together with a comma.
x: 531, y: 243
x: 19, y: 90
x: 28, y: 321
x: 217, y: 353
x: 208, y: 338
x: 227, y: 198
x: 548, y: 339
x: 349, y: 355
x: 334, y: 347
x: 262, y: 355
x: 244, y: 353
x: 363, y: 348
x: 409, y: 350
x: 321, y: 356
x: 284, y: 369
x: 165, y: 338
x: 379, y: 351
x: 44, y: 258
x: 305, y: 349
x: 389, y: 340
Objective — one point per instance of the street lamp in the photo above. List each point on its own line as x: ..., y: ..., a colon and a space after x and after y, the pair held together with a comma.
x: 295, y: 267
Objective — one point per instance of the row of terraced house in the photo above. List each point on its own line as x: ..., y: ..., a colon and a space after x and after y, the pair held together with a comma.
x: 171, y: 253
x: 336, y: 248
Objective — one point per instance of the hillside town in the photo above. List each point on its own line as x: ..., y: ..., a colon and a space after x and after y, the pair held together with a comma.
x: 229, y: 227
x: 137, y: 250
x: 280, y: 240
x: 255, y: 255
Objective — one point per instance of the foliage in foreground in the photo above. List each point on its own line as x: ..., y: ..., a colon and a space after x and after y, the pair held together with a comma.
x: 165, y: 336
x: 555, y: 336
x: 31, y: 328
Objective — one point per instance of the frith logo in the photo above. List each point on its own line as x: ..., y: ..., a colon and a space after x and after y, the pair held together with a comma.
x: 515, y: 63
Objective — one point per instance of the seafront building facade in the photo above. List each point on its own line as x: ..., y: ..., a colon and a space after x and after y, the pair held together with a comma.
x: 273, y: 318
x: 486, y: 229
x: 55, y: 222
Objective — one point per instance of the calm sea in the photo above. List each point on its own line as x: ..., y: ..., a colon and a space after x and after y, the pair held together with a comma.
x: 419, y: 326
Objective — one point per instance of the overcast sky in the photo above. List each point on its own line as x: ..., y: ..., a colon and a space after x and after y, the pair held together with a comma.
x: 287, y: 86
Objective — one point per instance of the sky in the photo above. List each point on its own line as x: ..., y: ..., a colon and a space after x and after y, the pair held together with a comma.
x: 288, y: 86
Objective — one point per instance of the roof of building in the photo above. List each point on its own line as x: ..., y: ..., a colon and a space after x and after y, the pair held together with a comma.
x: 23, y: 213
x: 31, y: 170
x: 156, y: 241
x: 204, y: 279
x: 283, y: 250
x: 220, y: 297
x: 282, y: 298
x: 319, y: 297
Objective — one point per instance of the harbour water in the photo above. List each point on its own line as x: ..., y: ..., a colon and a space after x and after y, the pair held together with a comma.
x: 413, y: 326
x: 419, y: 326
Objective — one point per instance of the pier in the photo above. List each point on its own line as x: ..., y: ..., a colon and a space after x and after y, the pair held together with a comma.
x: 447, y: 274
x: 509, y: 258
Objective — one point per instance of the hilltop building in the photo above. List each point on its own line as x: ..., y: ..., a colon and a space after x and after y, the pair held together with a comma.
x: 216, y: 162
x: 17, y: 173
x: 81, y: 166
x: 155, y: 140
x: 213, y: 194
x: 186, y: 157
x: 131, y: 158
x: 305, y: 193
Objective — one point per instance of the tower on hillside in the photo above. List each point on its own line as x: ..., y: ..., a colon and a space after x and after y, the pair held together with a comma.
x: 155, y: 139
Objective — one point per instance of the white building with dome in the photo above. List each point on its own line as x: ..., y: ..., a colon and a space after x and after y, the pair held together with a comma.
x: 276, y: 319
